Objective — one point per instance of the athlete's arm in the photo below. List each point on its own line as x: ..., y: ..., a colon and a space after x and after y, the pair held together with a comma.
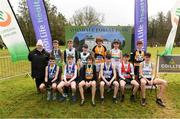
x: 75, y: 74
x: 102, y: 75
x: 132, y: 70
x: 65, y: 73
x: 121, y: 56
x: 114, y: 74
x: 140, y: 71
x: 56, y: 75
x: 120, y: 72
x: 46, y: 74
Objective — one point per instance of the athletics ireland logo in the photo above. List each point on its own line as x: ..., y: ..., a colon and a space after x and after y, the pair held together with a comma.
x: 172, y: 62
x: 5, y: 19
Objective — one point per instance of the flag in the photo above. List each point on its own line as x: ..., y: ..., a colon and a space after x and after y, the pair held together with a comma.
x: 175, y: 13
x: 40, y: 22
x: 11, y: 34
x: 141, y: 19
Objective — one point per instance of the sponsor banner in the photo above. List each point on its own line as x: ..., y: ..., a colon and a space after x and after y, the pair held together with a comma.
x: 140, y: 20
x: 85, y: 34
x: 11, y: 34
x: 40, y: 22
x: 169, y: 64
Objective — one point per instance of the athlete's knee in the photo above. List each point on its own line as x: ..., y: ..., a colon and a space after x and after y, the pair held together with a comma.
x: 143, y: 82
x: 116, y: 84
x: 122, y: 84
x: 164, y: 83
x: 94, y: 84
x: 60, y: 86
x: 42, y: 86
x: 54, y: 85
x: 136, y: 85
x: 73, y: 86
x: 81, y: 84
x: 102, y: 83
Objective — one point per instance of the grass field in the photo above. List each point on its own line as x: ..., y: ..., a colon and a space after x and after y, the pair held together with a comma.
x: 18, y: 99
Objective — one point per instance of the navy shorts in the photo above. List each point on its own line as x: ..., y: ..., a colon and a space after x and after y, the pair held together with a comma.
x: 127, y: 80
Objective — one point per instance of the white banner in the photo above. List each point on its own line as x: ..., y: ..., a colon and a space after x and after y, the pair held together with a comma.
x: 175, y: 12
x: 11, y: 33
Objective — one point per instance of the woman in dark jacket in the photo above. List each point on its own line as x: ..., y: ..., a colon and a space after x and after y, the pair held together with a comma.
x: 39, y: 60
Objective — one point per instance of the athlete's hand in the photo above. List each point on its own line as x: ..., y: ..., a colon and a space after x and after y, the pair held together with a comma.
x: 46, y: 79
x: 108, y: 84
x: 53, y: 80
x: 87, y: 84
x: 151, y: 82
x: 68, y: 83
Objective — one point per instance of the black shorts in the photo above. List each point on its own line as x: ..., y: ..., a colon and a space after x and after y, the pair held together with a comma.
x: 149, y: 79
x: 108, y: 81
x: 136, y: 70
x: 49, y: 83
x: 128, y: 80
x: 87, y: 80
x: 76, y: 80
x: 56, y: 81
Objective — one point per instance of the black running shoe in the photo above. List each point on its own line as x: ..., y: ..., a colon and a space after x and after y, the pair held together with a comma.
x: 122, y: 98
x: 62, y: 98
x: 114, y: 100
x: 143, y: 102
x: 160, y: 102
x: 74, y: 98
x: 82, y: 102
x: 102, y: 100
x: 132, y: 98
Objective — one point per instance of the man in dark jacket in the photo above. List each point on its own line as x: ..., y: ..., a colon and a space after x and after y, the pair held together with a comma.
x: 39, y: 60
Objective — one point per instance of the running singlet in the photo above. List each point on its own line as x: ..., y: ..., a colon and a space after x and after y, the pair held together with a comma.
x: 100, y: 52
x: 51, y: 72
x: 71, y: 52
x: 89, y: 72
x: 108, y: 71
x: 116, y: 55
x: 57, y: 56
x: 83, y: 57
x: 70, y: 70
x: 139, y: 56
x: 126, y: 70
x: 147, y: 70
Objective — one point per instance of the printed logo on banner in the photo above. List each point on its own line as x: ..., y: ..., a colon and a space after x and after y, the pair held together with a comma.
x: 169, y: 64
x: 178, y: 11
x: 5, y: 19
x: 172, y: 61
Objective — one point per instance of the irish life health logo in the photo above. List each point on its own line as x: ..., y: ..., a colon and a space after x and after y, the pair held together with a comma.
x: 5, y: 19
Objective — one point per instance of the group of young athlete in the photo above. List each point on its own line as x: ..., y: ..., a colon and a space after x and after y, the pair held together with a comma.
x: 100, y: 69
